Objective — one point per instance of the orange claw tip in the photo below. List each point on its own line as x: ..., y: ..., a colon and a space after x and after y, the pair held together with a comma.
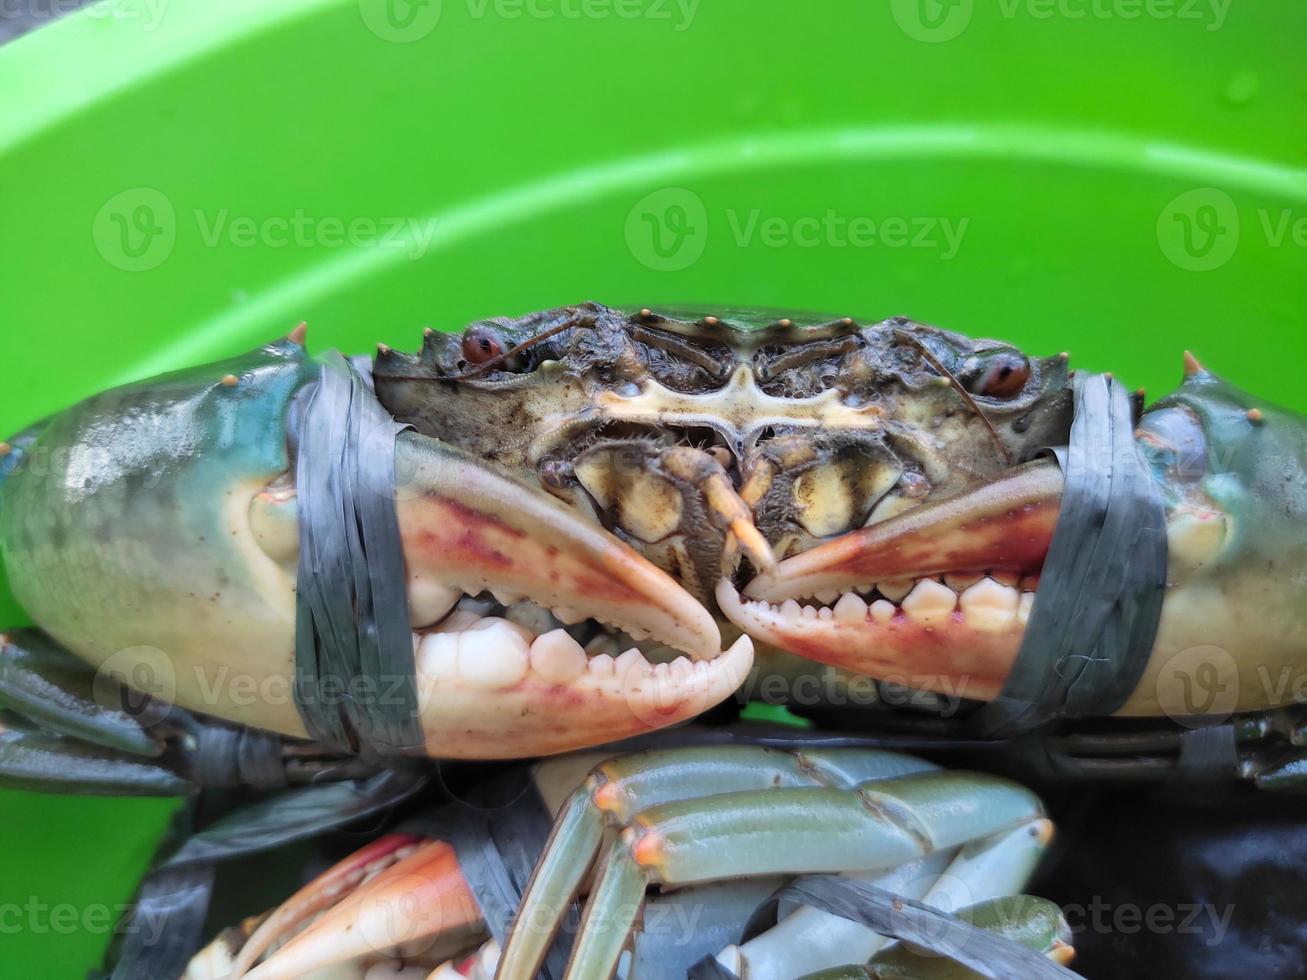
x: 5, y: 449
x: 1191, y: 365
x: 297, y: 335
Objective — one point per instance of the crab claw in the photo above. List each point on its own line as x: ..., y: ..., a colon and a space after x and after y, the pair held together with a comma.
x: 391, y: 896
x: 954, y: 585
x: 470, y: 528
x: 490, y: 687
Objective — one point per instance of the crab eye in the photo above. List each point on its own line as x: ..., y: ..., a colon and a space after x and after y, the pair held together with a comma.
x: 1004, y: 376
x: 481, y: 344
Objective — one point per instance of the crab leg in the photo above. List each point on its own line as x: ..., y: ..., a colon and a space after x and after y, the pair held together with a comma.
x: 618, y: 789
x: 958, y: 636
x: 807, y: 938
x: 789, y: 830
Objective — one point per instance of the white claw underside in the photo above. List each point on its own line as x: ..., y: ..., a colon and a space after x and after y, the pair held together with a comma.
x: 991, y: 603
x: 490, y: 653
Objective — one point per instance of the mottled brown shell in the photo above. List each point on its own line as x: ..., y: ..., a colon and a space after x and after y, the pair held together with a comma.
x: 816, y: 424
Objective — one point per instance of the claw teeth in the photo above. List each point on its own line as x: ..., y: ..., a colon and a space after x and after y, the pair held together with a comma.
x: 627, y: 661
x: 429, y: 602
x: 568, y: 615
x: 930, y: 602
x: 557, y: 657
x: 489, y: 655
x: 882, y: 611
x: 601, y: 666
x: 989, y: 606
x: 850, y: 609
x: 1023, y: 608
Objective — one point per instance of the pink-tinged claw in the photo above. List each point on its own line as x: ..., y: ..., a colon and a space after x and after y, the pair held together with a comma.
x: 321, y: 893
x: 1006, y: 524
x: 919, y: 646
x: 560, y: 700
x: 467, y: 526
x: 420, y: 896
x: 935, y: 599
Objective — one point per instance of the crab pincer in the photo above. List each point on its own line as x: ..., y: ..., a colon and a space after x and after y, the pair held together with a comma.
x: 938, y: 595
x: 501, y: 688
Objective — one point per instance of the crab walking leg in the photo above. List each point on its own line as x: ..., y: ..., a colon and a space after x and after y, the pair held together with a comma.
x: 1035, y: 923
x: 793, y: 830
x: 810, y: 938
x: 423, y: 895
x: 609, y: 917
x: 618, y: 789
x: 555, y: 882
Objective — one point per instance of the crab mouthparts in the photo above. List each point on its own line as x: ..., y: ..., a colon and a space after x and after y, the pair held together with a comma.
x: 935, y: 599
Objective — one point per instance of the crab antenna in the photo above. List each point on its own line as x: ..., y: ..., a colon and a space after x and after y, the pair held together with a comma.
x: 934, y: 362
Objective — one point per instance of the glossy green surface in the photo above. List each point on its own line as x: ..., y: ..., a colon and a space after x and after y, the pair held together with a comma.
x: 179, y: 181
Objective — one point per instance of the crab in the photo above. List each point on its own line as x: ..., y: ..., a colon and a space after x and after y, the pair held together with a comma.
x: 604, y: 523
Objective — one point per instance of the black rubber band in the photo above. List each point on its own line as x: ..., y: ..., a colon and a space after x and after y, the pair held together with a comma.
x: 355, y: 680
x: 1100, y: 592
x: 986, y: 953
x: 229, y: 756
x: 167, y: 923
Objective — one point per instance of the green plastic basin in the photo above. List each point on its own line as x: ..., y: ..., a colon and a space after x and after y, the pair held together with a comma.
x: 181, y: 179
